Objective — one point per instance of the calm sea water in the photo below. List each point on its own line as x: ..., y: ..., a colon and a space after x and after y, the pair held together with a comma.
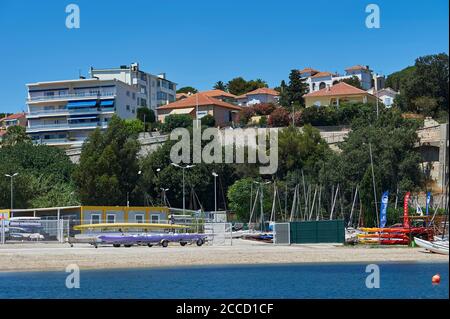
x: 268, y: 281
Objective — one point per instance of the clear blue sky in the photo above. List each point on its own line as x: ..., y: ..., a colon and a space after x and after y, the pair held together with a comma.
x: 199, y: 42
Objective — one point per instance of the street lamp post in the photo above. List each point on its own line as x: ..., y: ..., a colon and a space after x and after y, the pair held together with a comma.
x: 183, y: 168
x: 215, y: 191
x: 12, y: 189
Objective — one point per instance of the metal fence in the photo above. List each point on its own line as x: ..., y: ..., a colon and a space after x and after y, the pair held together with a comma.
x: 281, y: 234
x: 219, y: 234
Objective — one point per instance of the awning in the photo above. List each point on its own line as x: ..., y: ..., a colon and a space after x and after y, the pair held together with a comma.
x: 81, y: 104
x: 107, y: 103
x: 182, y: 111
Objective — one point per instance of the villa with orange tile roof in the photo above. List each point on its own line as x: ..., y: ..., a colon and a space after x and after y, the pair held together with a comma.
x: 318, y: 80
x: 338, y: 94
x: 199, y: 105
x: 18, y: 119
x: 221, y: 95
x: 258, y: 96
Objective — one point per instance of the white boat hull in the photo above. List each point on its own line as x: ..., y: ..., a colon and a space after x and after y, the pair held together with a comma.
x: 435, y: 247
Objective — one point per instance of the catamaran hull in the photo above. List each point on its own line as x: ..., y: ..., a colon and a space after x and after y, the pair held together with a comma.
x: 434, y: 247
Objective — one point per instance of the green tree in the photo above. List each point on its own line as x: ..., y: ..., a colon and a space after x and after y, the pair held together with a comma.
x: 173, y: 121
x: 396, y: 79
x: 108, y: 169
x: 220, y: 86
x: 428, y: 78
x: 239, y: 199
x: 208, y: 120
x: 353, y: 81
x: 14, y: 135
x: 296, y: 89
x: 237, y: 86
x: 395, y: 160
x: 34, y: 165
x: 187, y: 89
x: 146, y: 116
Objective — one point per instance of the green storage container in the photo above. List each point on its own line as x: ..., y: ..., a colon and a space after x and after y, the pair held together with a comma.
x: 322, y: 231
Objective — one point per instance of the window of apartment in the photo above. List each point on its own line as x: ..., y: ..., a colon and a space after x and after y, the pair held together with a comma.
x: 143, y: 76
x: 128, y: 107
x: 162, y: 96
x: 171, y: 86
x: 133, y: 110
x: 143, y: 102
x: 95, y: 219
x: 128, y: 93
x: 111, y: 218
x: 154, y: 219
x: 143, y: 89
x: 133, y: 96
x: 153, y: 83
x: 49, y: 93
x: 171, y: 98
x: 139, y: 218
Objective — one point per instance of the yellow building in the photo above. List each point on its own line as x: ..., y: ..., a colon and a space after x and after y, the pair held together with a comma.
x: 338, y: 94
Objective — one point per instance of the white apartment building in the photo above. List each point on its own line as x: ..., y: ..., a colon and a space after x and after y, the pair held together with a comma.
x: 153, y: 90
x: 63, y: 113
x: 317, y: 80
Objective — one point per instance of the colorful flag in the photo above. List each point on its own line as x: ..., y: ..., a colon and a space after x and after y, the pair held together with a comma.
x: 428, y: 203
x: 383, y: 209
x: 405, y: 210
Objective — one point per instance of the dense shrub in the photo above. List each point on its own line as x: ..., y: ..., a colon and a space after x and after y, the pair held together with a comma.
x: 171, y: 122
x: 279, y: 117
x: 208, y: 120
x: 264, y: 108
x: 245, y: 114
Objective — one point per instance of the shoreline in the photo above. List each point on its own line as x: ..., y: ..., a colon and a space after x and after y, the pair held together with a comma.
x: 42, y: 257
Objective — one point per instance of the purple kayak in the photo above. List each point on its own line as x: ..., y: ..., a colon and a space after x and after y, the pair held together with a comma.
x: 151, y: 239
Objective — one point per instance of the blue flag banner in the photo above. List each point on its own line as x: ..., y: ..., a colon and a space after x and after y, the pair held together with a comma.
x: 428, y: 202
x: 383, y: 209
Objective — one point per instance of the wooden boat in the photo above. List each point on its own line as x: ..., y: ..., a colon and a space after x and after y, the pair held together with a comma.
x: 435, y: 247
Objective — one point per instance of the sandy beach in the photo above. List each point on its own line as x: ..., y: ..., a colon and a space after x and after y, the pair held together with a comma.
x: 52, y: 256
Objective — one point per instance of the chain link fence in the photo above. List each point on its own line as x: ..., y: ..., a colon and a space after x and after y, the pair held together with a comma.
x: 19, y: 230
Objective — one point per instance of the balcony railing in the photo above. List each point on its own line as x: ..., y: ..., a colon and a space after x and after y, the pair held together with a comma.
x: 80, y: 95
x: 66, y: 126
x: 56, y: 141
x: 71, y: 111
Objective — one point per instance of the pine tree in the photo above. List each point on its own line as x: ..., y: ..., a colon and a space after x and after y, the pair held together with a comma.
x: 296, y: 88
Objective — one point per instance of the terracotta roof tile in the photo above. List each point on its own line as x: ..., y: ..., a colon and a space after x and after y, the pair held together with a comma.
x: 340, y: 88
x: 203, y: 99
x: 322, y: 74
x: 13, y: 117
x: 264, y: 91
x: 357, y: 67
x: 308, y: 70
x: 216, y: 93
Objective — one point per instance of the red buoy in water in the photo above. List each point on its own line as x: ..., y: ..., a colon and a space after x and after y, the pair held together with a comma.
x: 436, y: 279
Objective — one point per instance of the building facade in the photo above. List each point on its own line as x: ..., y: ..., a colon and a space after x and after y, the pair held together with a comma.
x: 200, y: 105
x: 317, y: 80
x: 338, y: 94
x: 258, y: 96
x: 64, y: 113
x: 18, y: 119
x: 152, y: 90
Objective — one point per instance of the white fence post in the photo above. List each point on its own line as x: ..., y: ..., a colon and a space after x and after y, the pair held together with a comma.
x: 2, y: 234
